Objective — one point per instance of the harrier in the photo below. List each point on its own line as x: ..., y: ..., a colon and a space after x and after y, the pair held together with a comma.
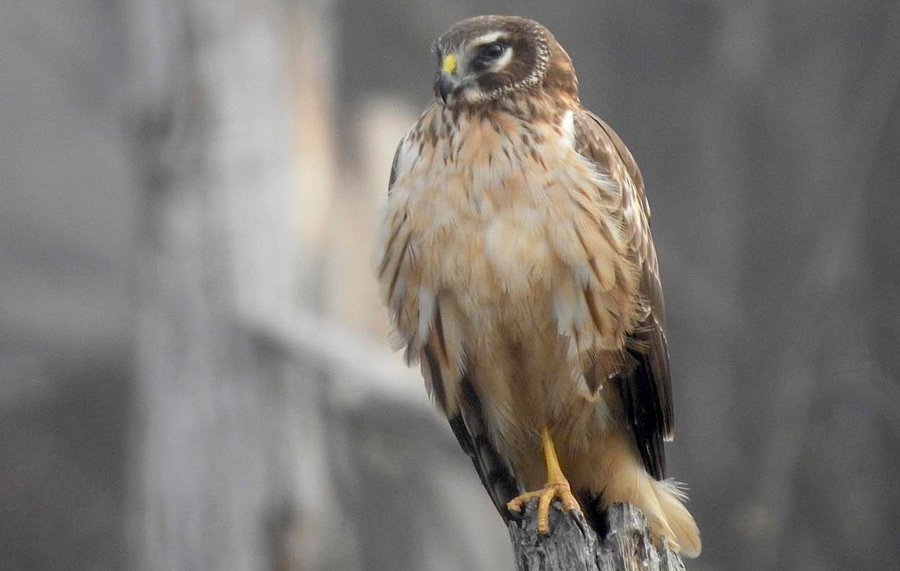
x: 517, y: 265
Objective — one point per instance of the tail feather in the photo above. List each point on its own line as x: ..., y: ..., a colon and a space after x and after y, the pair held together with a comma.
x: 661, y: 501
x: 681, y: 523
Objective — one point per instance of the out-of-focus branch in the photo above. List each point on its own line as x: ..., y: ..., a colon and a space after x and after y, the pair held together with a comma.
x: 573, y: 546
x: 359, y: 369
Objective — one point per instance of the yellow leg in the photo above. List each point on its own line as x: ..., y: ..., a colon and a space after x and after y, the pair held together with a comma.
x: 557, y: 487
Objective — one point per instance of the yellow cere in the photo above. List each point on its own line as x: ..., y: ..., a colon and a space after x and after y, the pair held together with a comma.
x: 449, y: 65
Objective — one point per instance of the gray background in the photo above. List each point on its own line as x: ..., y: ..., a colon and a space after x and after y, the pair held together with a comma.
x: 151, y: 159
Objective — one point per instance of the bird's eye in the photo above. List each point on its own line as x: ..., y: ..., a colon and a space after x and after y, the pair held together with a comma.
x: 492, y: 50
x: 487, y: 55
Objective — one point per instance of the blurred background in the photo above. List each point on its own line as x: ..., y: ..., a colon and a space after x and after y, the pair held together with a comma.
x: 194, y: 366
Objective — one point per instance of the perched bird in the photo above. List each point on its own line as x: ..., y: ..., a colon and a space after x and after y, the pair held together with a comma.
x: 517, y: 265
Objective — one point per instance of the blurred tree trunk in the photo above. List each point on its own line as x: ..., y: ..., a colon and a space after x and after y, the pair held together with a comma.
x: 228, y: 433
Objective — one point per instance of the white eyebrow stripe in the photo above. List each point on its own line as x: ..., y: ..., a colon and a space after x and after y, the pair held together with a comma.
x: 488, y: 38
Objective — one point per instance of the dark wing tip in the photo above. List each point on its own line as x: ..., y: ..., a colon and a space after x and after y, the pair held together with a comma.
x: 468, y: 426
x: 643, y: 411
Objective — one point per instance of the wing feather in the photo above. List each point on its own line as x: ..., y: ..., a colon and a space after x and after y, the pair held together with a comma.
x: 644, y: 383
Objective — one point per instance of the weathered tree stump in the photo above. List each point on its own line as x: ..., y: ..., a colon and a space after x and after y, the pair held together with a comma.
x: 573, y: 546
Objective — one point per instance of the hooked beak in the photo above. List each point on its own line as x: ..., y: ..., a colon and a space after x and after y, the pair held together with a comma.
x: 444, y: 86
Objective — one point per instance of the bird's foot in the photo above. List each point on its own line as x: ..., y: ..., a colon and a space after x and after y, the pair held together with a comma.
x: 552, y: 490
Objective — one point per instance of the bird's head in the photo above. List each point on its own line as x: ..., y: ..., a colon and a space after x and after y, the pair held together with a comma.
x: 489, y: 58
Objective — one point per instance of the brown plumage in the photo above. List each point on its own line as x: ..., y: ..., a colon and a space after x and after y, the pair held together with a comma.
x: 518, y: 267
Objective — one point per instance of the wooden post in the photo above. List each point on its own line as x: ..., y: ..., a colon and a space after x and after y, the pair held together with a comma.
x: 573, y: 546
